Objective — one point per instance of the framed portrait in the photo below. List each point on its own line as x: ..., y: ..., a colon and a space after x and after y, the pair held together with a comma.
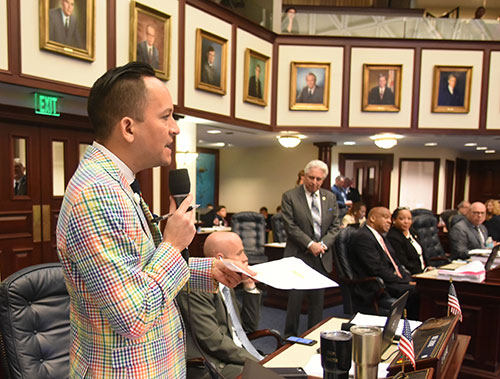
x: 68, y: 27
x: 451, y: 89
x: 309, y: 86
x: 150, y: 38
x: 256, y: 78
x: 211, y: 62
x: 381, y: 88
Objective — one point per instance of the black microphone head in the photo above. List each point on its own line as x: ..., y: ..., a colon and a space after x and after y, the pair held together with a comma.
x: 178, y: 182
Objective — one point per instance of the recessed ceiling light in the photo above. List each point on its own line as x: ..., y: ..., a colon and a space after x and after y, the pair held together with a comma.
x: 214, y: 131
x: 431, y: 144
x: 489, y: 151
x: 481, y: 148
x: 349, y: 143
x: 220, y: 144
x: 470, y: 144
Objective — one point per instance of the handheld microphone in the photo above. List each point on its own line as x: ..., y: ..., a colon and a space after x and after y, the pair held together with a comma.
x: 179, y: 186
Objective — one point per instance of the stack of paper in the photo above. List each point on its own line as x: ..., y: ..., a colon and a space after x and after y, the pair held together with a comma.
x: 471, y: 272
x: 373, y: 320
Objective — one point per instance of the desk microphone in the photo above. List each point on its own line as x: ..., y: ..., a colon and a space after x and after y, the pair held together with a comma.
x: 179, y: 186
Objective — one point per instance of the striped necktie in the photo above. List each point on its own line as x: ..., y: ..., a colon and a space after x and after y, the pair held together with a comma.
x: 316, y: 216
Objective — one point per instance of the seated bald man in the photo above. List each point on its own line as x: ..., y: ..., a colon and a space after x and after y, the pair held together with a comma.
x: 211, y: 315
x: 371, y: 254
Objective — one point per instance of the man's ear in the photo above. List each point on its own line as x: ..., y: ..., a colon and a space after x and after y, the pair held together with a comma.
x: 219, y: 256
x: 126, y: 126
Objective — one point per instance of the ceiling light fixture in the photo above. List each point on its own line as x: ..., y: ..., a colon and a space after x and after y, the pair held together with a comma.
x: 489, y: 151
x: 431, y: 144
x: 481, y: 148
x: 349, y: 143
x: 386, y: 140
x: 470, y: 144
x: 289, y: 141
x: 214, y: 131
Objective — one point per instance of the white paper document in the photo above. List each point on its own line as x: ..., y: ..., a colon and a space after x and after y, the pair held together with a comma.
x: 471, y: 272
x: 373, y: 320
x: 287, y: 274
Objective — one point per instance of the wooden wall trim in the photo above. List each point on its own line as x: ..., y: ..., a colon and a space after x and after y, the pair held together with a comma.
x: 182, y: 49
x: 346, y: 88
x: 417, y: 66
x: 111, y: 34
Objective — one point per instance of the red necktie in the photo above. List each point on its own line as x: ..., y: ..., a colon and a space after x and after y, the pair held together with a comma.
x: 396, y: 268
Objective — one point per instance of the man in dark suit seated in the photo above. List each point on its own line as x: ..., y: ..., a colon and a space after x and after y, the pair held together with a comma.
x: 371, y: 254
x: 222, y: 339
x: 469, y: 233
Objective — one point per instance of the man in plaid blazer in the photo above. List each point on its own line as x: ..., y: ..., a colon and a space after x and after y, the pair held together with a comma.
x: 122, y: 274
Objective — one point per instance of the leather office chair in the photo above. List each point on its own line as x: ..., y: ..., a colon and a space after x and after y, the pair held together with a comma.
x: 380, y: 304
x: 421, y: 211
x: 446, y: 216
x: 426, y: 227
x: 278, y: 227
x: 35, y: 330
x: 251, y: 227
x: 455, y: 219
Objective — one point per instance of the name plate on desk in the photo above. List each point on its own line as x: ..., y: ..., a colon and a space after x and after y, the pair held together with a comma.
x: 420, y: 374
x: 434, y: 342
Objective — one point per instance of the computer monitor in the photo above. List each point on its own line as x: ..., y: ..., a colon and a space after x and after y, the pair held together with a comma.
x: 491, y: 258
x: 392, y: 321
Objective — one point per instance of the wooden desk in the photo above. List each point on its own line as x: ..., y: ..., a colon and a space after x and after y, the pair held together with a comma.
x: 279, y: 298
x: 480, y: 304
x: 299, y: 355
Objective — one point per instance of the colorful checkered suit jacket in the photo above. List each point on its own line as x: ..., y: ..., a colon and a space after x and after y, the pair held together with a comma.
x: 121, y: 278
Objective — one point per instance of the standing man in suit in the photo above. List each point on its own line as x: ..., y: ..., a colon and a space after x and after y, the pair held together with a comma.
x: 254, y: 85
x: 311, y: 93
x: 19, y: 178
x: 381, y: 94
x: 64, y: 26
x: 371, y: 254
x: 147, y: 51
x: 121, y: 272
x: 469, y: 233
x: 210, y: 316
x: 310, y: 215
x: 209, y: 72
x: 341, y: 196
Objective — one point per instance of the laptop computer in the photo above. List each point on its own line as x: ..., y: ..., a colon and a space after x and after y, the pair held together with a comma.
x: 491, y: 258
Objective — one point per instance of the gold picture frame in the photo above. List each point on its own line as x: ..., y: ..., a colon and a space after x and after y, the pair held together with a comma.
x: 381, y: 88
x: 210, y: 72
x: 305, y: 76
x: 256, y: 79
x: 150, y: 37
x: 68, y: 28
x: 451, y: 89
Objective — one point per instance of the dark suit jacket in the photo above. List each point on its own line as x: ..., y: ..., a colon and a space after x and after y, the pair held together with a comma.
x: 210, y: 75
x: 374, y: 96
x: 299, y: 227
x: 58, y: 33
x: 254, y: 88
x: 353, y: 194
x: 339, y: 195
x: 448, y: 98
x: 493, y: 226
x: 143, y: 56
x: 463, y: 237
x: 367, y: 258
x: 315, y: 98
x: 21, y: 188
x: 213, y: 328
x: 404, y: 250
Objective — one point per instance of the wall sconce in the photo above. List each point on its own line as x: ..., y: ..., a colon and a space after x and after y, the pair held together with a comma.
x: 386, y: 140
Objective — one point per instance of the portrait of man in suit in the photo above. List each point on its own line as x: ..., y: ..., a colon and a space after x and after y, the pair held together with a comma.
x: 451, y: 90
x: 311, y: 93
x: 147, y: 51
x: 210, y: 73
x: 382, y: 93
x: 65, y: 25
x: 255, y: 84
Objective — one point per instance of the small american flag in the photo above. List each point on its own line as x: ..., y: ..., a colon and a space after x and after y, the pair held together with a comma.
x: 405, y: 344
x: 453, y: 304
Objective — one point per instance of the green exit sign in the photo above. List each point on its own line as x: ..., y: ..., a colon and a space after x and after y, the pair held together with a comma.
x: 46, y: 105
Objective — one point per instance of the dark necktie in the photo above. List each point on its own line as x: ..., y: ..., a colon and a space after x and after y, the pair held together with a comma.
x: 16, y: 188
x: 66, y: 23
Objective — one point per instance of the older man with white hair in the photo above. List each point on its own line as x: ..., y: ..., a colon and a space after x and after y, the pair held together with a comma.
x: 311, y: 219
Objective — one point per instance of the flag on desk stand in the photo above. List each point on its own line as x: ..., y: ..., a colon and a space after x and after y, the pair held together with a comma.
x: 405, y: 344
x: 453, y: 304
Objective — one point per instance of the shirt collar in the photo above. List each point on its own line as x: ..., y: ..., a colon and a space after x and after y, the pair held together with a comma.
x: 377, y: 235
x: 124, y: 169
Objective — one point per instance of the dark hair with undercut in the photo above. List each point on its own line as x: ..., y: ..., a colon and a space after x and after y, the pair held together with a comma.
x: 120, y: 92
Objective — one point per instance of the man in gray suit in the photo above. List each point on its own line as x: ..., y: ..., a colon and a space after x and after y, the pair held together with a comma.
x: 147, y: 51
x: 469, y: 233
x: 310, y: 215
x: 212, y: 317
x: 63, y: 25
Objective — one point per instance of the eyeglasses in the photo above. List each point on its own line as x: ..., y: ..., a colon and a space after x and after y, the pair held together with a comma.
x: 478, y: 213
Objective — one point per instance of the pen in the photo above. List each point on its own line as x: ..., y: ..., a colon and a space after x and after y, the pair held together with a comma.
x: 164, y: 217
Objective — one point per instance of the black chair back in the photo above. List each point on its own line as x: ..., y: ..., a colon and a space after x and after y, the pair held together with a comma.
x: 456, y: 219
x: 278, y: 228
x: 343, y: 267
x: 251, y: 227
x: 421, y: 211
x: 35, y: 330
x: 426, y: 227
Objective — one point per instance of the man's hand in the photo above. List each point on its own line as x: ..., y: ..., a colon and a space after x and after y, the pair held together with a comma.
x: 180, y: 228
x: 227, y: 276
x: 316, y: 249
